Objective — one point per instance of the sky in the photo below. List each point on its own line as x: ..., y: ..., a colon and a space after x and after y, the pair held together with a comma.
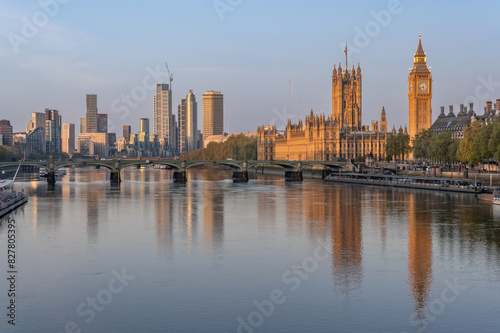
x: 54, y: 52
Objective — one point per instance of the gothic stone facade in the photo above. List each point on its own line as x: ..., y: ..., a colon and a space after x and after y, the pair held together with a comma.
x: 322, y: 138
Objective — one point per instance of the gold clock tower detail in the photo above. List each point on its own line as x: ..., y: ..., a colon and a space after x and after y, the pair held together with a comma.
x: 419, y: 93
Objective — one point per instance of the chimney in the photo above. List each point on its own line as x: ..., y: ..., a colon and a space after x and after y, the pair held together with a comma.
x: 497, y: 104
x: 450, y: 114
x: 442, y: 113
x: 471, y: 106
x: 489, y: 105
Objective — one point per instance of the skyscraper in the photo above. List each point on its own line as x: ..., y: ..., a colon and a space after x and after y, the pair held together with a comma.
x: 144, y: 125
x: 163, y: 126
x: 181, y: 115
x: 419, y: 93
x: 127, y: 129
x: 68, y: 138
x: 102, y: 123
x: 52, y: 131
x: 192, y: 121
x: 6, y: 133
x: 188, y: 123
x: 213, y: 114
x: 91, y: 118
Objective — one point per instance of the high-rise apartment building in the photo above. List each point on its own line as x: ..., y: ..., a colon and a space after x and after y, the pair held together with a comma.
x: 102, y: 123
x: 91, y: 118
x: 163, y: 126
x: 144, y: 125
x: 68, y: 138
x: 52, y: 131
x: 191, y: 121
x: 37, y: 120
x: 6, y: 133
x: 127, y: 129
x: 188, y: 123
x: 213, y: 114
x: 181, y: 115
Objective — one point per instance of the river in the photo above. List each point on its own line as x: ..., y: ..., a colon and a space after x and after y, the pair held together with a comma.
x: 265, y: 256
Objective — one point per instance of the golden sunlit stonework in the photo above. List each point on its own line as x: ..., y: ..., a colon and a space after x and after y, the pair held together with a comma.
x: 327, y: 138
x: 419, y: 93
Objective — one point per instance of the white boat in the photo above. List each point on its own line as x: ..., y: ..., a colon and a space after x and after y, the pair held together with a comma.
x: 9, y: 199
x: 496, y: 198
x: 59, y: 172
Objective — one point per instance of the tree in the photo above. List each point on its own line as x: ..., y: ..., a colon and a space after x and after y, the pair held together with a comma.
x: 422, y: 145
x: 6, y: 153
x: 444, y: 147
x: 397, y: 146
x: 236, y: 146
x: 494, y: 141
x: 465, y: 148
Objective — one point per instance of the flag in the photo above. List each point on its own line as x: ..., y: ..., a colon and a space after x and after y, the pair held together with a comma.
x: 345, y: 50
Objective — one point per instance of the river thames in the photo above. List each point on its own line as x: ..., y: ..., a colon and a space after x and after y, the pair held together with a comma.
x: 265, y: 256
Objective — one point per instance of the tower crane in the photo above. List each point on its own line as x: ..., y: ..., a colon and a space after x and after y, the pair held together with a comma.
x: 295, y: 99
x: 170, y: 76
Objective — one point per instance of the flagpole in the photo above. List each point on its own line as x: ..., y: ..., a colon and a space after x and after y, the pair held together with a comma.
x: 345, y: 51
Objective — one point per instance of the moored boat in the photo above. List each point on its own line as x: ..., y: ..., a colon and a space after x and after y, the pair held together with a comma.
x: 496, y: 198
x: 9, y: 199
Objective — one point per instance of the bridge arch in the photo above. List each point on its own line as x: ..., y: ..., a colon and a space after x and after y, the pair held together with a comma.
x: 234, y: 166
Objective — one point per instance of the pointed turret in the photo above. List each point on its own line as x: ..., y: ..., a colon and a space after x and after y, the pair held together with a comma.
x: 419, y: 61
x: 420, y: 49
x: 359, y: 69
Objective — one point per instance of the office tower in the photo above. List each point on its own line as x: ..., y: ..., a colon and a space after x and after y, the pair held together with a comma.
x: 144, y: 125
x: 191, y: 121
x: 37, y: 120
x: 102, y: 123
x: 419, y: 93
x: 181, y: 115
x: 68, y: 138
x: 83, y: 125
x: 213, y: 114
x: 127, y: 129
x: 6, y: 133
x: 111, y: 138
x: 163, y: 113
x: 52, y: 131
x: 91, y: 118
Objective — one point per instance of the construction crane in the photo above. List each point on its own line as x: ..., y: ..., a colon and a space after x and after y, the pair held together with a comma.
x: 170, y: 76
x: 296, y: 100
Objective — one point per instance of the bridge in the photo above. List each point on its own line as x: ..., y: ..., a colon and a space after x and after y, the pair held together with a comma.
x: 293, y: 169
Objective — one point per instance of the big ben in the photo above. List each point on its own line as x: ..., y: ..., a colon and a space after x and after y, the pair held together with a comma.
x: 419, y: 93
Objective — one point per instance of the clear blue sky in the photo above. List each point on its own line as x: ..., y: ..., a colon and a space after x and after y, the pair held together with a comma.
x: 247, y: 49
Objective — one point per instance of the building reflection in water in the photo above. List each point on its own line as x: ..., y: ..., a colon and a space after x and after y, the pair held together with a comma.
x: 213, y: 220
x: 188, y: 213
x: 163, y: 212
x: 419, y: 250
x: 346, y: 238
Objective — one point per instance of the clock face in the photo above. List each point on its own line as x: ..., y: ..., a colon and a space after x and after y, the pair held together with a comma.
x: 422, y: 86
x: 410, y: 88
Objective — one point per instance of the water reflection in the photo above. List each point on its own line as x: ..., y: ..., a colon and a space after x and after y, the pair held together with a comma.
x: 346, y: 238
x: 419, y: 251
x: 213, y: 220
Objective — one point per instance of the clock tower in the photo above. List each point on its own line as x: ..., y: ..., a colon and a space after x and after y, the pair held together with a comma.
x: 419, y: 93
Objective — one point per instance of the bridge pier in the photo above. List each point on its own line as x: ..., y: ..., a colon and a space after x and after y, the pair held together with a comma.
x: 180, y: 175
x: 293, y: 176
x: 51, y: 177
x: 97, y: 166
x: 114, y: 177
x: 240, y: 176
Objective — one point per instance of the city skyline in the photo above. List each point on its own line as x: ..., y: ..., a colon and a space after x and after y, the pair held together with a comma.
x: 251, y: 63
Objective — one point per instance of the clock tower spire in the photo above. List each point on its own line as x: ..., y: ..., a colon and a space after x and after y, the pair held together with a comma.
x: 419, y: 93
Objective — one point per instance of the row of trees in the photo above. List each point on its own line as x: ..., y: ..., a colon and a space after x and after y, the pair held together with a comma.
x: 480, y: 142
x: 238, y: 147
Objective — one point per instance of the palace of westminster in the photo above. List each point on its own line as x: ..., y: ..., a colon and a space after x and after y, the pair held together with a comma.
x: 341, y: 135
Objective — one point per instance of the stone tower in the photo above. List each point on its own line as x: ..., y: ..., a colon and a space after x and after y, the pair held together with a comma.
x: 419, y: 93
x: 346, y: 98
x: 383, y: 121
